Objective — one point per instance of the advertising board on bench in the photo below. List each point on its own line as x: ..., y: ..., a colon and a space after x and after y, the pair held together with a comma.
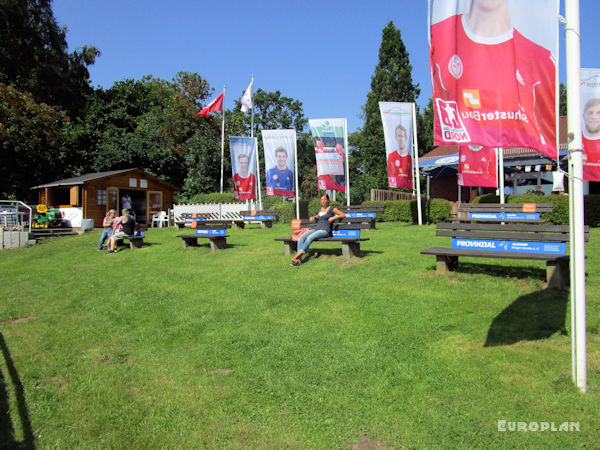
x: 361, y: 214
x: 211, y: 231
x: 504, y: 216
x: 550, y: 248
x: 257, y: 217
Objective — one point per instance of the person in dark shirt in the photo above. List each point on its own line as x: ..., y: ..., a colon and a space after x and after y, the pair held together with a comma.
x: 124, y: 228
x: 327, y: 214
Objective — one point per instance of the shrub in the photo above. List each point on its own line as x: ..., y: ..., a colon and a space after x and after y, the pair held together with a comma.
x: 438, y: 210
x: 214, y: 197
x: 591, y: 204
x: 287, y: 211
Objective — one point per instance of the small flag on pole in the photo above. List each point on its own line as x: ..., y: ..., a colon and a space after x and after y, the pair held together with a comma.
x: 215, y: 105
x: 247, y: 98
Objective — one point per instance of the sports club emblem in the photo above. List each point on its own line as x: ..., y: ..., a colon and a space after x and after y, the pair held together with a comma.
x: 322, y: 185
x: 455, y: 66
x: 471, y: 98
x: 452, y: 128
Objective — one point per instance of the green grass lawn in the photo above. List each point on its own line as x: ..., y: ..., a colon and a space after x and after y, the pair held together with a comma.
x: 170, y: 347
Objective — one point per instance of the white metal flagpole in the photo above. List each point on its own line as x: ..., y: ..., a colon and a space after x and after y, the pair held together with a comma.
x: 296, y: 175
x: 500, y: 160
x: 252, y: 108
x: 576, y: 196
x: 222, y: 139
x: 258, y: 175
x: 347, y: 165
x: 417, y: 177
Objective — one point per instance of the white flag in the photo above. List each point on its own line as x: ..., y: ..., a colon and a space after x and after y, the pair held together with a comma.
x: 247, y: 98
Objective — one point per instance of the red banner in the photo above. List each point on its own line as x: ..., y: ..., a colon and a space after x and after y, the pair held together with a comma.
x: 492, y: 86
x: 477, y: 166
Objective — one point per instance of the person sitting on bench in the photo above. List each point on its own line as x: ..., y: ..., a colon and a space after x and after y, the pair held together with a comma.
x: 128, y: 228
x: 327, y: 214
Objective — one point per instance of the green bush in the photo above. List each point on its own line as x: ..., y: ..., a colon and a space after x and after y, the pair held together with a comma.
x: 214, y: 197
x: 287, y: 211
x: 437, y: 210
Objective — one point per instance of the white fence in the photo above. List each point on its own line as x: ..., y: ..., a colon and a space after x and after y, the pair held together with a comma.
x: 219, y: 211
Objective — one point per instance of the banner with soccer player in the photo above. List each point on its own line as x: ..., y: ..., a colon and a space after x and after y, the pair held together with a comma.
x: 329, y: 137
x: 494, y: 73
x: 243, y: 166
x: 590, y: 104
x: 397, y: 119
x: 477, y: 166
x: 280, y: 151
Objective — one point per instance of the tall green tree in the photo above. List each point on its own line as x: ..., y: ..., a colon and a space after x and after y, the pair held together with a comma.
x: 34, y: 57
x: 391, y: 82
x: 29, y: 143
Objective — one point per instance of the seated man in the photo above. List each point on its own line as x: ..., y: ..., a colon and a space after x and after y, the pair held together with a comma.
x: 124, y: 228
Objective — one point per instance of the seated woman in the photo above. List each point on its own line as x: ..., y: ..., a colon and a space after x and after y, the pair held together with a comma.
x: 327, y: 214
x: 107, y: 223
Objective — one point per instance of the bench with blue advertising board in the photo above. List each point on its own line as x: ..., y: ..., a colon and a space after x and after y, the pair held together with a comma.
x: 362, y: 214
x: 216, y: 234
x: 346, y: 234
x: 509, y: 240
x: 506, y: 212
x: 193, y: 220
x: 265, y: 217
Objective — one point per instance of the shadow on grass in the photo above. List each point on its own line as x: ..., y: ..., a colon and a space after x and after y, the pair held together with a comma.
x: 7, y: 429
x: 336, y: 252
x: 531, y: 317
x: 502, y: 271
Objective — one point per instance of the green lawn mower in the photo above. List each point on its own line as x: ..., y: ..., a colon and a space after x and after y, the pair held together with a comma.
x: 46, y: 218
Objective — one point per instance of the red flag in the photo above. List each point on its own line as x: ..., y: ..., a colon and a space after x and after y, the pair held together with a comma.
x: 215, y: 105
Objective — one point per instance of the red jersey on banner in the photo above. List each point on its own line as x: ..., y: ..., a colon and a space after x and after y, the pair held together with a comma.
x: 243, y: 188
x: 591, y: 159
x: 400, y: 173
x: 498, y: 92
x: 477, y: 166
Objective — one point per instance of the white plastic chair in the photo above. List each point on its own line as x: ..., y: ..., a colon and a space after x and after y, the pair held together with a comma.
x: 161, y: 219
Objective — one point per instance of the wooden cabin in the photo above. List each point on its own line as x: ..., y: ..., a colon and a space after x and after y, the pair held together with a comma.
x: 90, y: 196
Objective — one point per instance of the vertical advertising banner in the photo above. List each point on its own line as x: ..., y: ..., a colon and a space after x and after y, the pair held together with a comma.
x: 330, y: 152
x: 477, y: 166
x: 243, y: 166
x: 280, y: 151
x: 590, y: 104
x: 397, y: 119
x: 494, y: 73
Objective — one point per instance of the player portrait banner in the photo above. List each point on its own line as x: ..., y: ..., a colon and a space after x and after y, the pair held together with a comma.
x: 243, y: 166
x: 494, y: 73
x: 477, y: 166
x: 280, y: 151
x: 330, y: 152
x: 397, y: 119
x: 590, y: 110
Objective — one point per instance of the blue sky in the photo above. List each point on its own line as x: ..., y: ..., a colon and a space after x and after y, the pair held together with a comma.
x: 322, y: 53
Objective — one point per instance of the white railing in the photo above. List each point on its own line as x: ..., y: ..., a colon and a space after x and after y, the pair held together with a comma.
x: 14, y: 213
x: 218, y: 211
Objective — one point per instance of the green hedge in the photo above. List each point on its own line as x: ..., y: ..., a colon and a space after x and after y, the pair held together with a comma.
x: 560, y: 214
x: 287, y: 211
x: 214, y: 197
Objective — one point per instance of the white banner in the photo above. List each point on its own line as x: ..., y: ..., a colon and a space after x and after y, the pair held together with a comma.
x: 397, y: 119
x: 330, y: 137
x: 280, y: 154
x: 243, y: 166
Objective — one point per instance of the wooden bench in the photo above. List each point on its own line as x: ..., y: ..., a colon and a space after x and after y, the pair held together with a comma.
x: 507, y: 212
x: 362, y: 214
x: 134, y: 241
x: 265, y: 216
x: 350, y: 245
x: 216, y: 234
x: 515, y: 241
